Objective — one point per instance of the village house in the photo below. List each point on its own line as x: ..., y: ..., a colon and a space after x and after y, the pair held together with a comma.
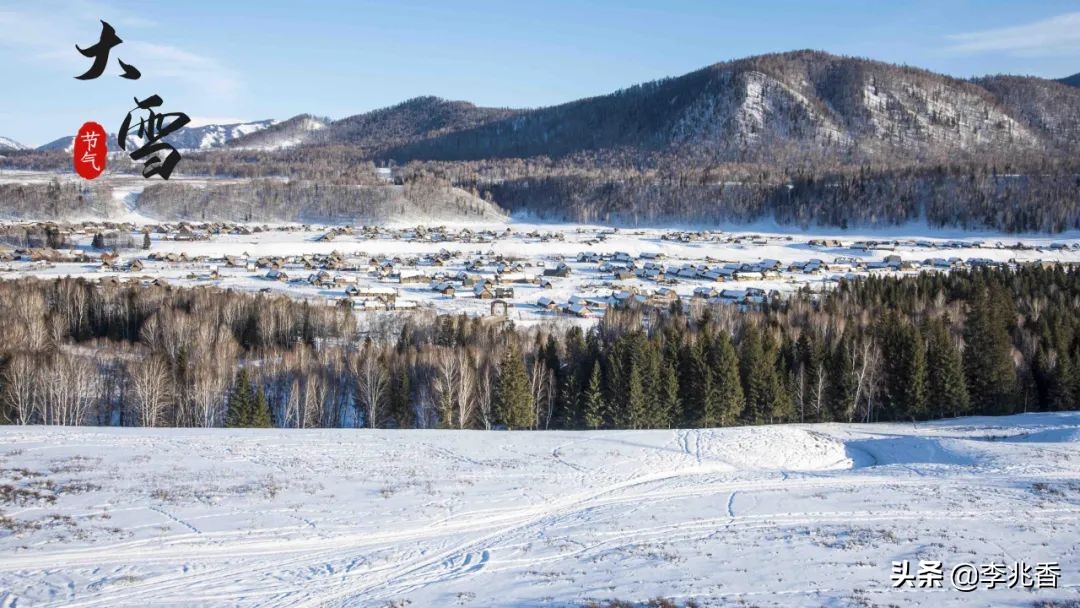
x: 562, y: 270
x: 578, y: 309
x: 445, y: 288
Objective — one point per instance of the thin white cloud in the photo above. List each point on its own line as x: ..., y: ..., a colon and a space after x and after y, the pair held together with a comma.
x: 196, y: 71
x: 42, y: 33
x: 1055, y: 36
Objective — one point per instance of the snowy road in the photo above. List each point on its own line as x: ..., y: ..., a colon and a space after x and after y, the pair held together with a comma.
x: 797, y: 515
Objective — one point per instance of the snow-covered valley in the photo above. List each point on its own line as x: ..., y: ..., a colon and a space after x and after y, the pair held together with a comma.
x: 793, y: 515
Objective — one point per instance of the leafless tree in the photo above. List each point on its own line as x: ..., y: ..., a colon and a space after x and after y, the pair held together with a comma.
x: 484, y: 395
x: 70, y: 387
x: 20, y: 383
x: 150, y: 391
x: 372, y: 382
x: 542, y: 385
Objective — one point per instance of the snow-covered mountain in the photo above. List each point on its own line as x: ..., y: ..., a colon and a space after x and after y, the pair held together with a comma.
x: 60, y: 143
x: 215, y: 136
x: 204, y: 137
x: 286, y: 134
x: 10, y: 145
x: 766, y: 107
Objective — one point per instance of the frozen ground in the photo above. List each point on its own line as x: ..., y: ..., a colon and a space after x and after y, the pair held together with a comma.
x: 797, y: 515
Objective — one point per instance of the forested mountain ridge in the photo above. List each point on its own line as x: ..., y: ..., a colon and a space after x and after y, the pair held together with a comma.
x: 413, y: 120
x: 804, y: 138
x: 1073, y: 81
x: 1050, y: 110
x: 763, y: 108
x: 783, y: 106
x: 800, y: 105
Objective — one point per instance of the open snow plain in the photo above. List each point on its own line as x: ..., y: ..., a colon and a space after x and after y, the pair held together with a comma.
x: 795, y: 515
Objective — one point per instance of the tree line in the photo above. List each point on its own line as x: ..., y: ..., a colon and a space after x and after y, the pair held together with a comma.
x: 988, y: 341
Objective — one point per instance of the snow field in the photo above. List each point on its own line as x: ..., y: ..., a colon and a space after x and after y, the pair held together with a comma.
x: 792, y: 515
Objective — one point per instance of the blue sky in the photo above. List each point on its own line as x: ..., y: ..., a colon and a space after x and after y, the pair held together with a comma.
x: 226, y: 60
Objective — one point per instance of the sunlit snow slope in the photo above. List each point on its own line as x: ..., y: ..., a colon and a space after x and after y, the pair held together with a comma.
x: 796, y: 515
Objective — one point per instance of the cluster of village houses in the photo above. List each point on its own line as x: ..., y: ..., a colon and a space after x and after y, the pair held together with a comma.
x: 376, y: 283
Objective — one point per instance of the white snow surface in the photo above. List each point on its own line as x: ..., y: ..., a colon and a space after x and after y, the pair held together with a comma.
x: 7, y: 144
x: 793, y: 515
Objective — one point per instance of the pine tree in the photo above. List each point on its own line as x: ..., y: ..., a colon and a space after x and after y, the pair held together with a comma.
x: 840, y: 394
x: 905, y: 369
x: 757, y: 381
x: 917, y: 404
x: 146, y: 240
x: 633, y: 414
x: 697, y: 387
x: 260, y: 412
x: 991, y: 375
x: 633, y: 395
x: 98, y: 241
x: 401, y: 398
x: 1076, y: 376
x: 653, y: 383
x: 946, y: 387
x: 670, y: 406
x: 242, y: 403
x: 726, y: 385
x: 513, y: 402
x: 777, y: 406
x: 593, y: 407
x: 1061, y: 393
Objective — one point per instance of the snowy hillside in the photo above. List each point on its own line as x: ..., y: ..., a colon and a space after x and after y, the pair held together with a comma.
x: 797, y: 515
x: 8, y: 145
x: 207, y: 137
x: 281, y: 135
x: 204, y: 137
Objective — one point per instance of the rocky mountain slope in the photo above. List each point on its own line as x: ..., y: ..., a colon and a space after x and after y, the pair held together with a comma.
x: 803, y: 103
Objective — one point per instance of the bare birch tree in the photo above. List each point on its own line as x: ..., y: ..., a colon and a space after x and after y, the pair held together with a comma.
x: 150, y: 392
x: 372, y: 383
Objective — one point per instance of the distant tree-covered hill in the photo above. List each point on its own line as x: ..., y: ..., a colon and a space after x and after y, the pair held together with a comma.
x: 803, y: 104
x: 1072, y: 81
x: 804, y: 137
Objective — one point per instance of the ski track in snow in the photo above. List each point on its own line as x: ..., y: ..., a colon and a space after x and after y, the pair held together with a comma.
x: 792, y: 515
